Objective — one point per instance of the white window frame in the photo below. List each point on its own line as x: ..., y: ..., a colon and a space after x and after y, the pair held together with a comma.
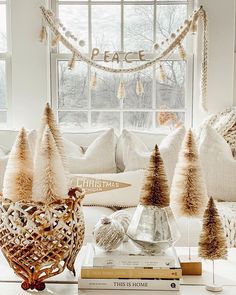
x: 6, y: 56
x: 189, y: 78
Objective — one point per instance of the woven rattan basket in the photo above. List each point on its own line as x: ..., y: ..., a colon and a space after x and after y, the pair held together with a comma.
x: 39, y: 240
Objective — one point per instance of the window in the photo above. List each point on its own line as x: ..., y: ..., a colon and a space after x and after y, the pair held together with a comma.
x: 121, y: 26
x: 4, y: 63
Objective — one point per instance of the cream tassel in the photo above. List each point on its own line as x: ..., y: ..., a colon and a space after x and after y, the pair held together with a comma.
x: 55, y: 40
x: 193, y: 25
x: 121, y: 90
x: 182, y: 52
x: 93, y: 81
x: 71, y: 63
x: 43, y: 34
x: 139, y: 87
x: 162, y: 73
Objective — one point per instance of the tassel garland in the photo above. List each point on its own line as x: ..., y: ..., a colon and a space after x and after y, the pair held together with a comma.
x: 162, y: 73
x: 56, y: 40
x: 121, y: 90
x: 93, y: 81
x: 71, y: 63
x: 182, y: 52
x: 139, y: 87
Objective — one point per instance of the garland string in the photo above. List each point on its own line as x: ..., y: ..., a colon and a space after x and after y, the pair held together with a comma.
x: 199, y: 14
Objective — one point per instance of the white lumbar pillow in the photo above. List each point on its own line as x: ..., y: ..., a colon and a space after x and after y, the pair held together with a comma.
x: 135, y: 153
x: 98, y: 158
x: 219, y: 166
x: 113, y: 189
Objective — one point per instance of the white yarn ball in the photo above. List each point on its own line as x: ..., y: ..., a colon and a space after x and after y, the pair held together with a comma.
x: 108, y: 233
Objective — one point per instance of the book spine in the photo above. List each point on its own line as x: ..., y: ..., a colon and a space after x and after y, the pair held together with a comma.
x: 135, y: 273
x: 111, y: 284
x: 131, y: 262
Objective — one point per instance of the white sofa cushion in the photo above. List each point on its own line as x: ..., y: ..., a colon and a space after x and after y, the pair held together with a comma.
x: 134, y: 154
x: 114, y: 189
x: 219, y: 166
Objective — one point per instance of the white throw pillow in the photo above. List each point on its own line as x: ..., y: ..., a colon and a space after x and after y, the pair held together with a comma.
x: 110, y: 190
x: 135, y: 154
x: 3, y: 165
x: 71, y: 149
x: 219, y: 166
x: 99, y: 157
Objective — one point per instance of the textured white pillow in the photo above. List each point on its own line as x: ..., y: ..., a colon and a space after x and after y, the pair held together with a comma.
x: 110, y: 190
x: 98, y: 158
x: 71, y: 149
x: 219, y: 166
x: 135, y: 153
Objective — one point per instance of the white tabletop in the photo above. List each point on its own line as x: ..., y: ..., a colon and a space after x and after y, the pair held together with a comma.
x: 66, y: 283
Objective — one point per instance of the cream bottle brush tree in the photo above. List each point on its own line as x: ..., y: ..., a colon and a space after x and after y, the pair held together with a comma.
x: 188, y: 190
x: 49, y: 119
x: 212, y: 243
x: 50, y: 182
x: 17, y: 184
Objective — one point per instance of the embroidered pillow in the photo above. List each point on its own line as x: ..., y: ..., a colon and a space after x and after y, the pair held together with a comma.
x: 111, y: 190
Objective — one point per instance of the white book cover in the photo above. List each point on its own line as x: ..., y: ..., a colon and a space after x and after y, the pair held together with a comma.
x: 129, y: 284
x: 128, y: 255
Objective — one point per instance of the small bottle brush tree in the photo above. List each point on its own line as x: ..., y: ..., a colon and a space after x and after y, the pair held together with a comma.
x: 155, y: 190
x: 49, y: 175
x: 188, y: 191
x: 17, y: 184
x: 49, y: 119
x: 212, y: 243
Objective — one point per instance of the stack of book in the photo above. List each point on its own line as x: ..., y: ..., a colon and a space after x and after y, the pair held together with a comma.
x: 126, y: 268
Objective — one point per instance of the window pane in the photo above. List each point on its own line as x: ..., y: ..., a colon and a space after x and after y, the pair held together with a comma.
x: 72, y: 89
x: 75, y: 19
x: 169, y: 19
x: 73, y: 119
x: 2, y: 84
x: 106, y: 27
x: 138, y: 27
x: 3, y: 30
x: 171, y: 92
x: 138, y: 120
x: 168, y: 118
x: 104, y: 95
x: 3, y: 118
x: 106, y: 119
x: 133, y: 100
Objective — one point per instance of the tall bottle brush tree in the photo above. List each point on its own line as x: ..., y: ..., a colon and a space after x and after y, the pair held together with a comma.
x: 17, y: 184
x: 155, y: 190
x: 188, y: 190
x: 212, y: 243
x: 49, y: 119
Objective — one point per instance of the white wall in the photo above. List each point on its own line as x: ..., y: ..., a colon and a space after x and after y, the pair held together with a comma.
x: 30, y: 87
x: 30, y: 61
x: 221, y: 35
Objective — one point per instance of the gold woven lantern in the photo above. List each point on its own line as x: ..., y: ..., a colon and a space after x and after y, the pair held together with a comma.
x: 39, y: 240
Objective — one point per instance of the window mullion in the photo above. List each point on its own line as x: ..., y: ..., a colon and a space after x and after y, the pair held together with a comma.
x: 89, y: 67
x: 154, y: 70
